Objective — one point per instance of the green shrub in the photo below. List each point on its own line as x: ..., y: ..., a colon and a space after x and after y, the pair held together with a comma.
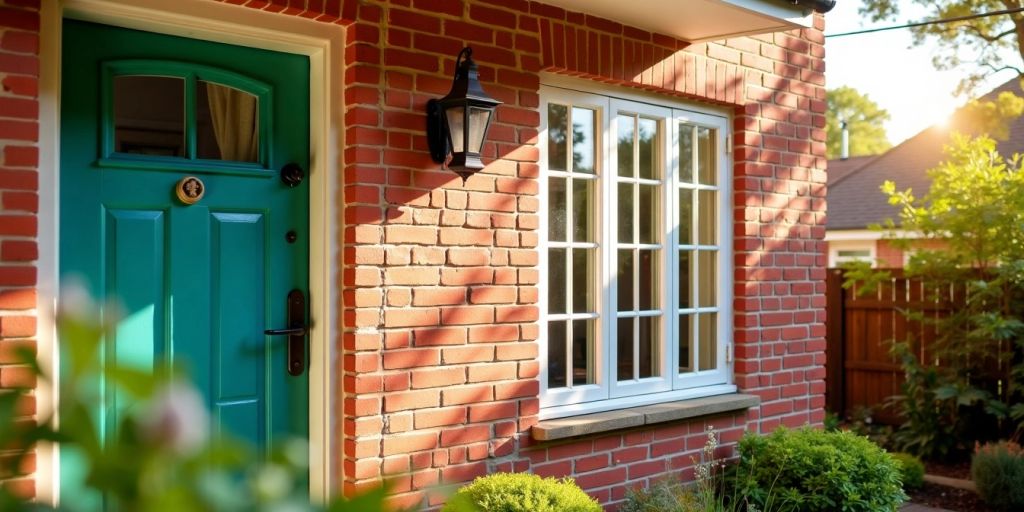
x: 911, y: 468
x: 998, y: 471
x: 662, y: 496
x: 520, y: 492
x: 811, y: 470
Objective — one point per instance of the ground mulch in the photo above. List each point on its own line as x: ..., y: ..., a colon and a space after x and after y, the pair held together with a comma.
x: 961, y: 470
x: 949, y: 498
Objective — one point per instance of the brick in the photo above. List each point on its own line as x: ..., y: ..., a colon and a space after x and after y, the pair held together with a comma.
x: 17, y: 326
x: 438, y: 377
x: 412, y: 358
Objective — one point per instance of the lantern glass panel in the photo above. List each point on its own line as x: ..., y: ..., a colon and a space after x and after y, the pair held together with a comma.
x: 478, y: 119
x: 456, y: 127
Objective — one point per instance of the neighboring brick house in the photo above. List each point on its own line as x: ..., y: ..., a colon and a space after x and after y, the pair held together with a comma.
x: 642, y: 257
x: 856, y: 201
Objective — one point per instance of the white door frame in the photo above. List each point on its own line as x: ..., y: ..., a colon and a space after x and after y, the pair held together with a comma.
x: 243, y: 26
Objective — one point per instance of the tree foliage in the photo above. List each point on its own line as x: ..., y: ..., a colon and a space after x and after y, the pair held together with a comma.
x: 979, y: 46
x: 864, y: 120
x: 975, y: 208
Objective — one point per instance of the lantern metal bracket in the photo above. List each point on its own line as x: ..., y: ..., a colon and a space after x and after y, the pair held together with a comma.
x: 437, y: 139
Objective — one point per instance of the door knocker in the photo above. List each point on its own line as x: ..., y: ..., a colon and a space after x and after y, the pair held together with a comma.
x: 190, y: 189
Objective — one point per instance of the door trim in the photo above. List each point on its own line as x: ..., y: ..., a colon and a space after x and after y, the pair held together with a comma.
x: 323, y: 43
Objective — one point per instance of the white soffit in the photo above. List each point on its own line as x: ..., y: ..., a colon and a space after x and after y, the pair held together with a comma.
x: 696, y: 20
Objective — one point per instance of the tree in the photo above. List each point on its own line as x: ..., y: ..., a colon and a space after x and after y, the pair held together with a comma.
x: 974, y: 209
x: 979, y: 47
x: 864, y: 120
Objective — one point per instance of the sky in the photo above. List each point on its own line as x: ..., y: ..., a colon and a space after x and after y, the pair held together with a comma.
x: 897, y: 77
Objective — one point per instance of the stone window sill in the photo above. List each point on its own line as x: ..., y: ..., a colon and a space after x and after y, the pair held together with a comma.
x: 563, y: 428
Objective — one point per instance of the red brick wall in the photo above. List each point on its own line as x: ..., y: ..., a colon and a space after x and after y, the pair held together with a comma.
x: 19, y: 200
x: 439, y: 284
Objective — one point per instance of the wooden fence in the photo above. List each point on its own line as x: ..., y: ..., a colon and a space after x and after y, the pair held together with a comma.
x: 860, y: 370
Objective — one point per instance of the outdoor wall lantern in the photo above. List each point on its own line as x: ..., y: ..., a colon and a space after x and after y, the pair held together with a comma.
x: 457, y: 124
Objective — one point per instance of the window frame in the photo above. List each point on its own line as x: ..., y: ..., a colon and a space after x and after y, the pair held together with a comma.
x: 608, y: 393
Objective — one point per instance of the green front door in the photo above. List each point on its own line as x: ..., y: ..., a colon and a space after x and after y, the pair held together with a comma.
x: 200, y: 267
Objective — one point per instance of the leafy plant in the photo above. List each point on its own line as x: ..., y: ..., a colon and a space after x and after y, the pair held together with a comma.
x: 966, y: 384
x: 522, y: 492
x: 162, y: 456
x: 911, y: 470
x: 810, y: 470
x: 998, y: 471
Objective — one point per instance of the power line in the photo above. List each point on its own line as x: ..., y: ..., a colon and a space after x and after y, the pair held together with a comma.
x: 930, y: 22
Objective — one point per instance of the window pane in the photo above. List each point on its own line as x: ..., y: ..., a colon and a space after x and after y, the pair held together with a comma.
x: 556, y: 281
x: 649, y: 280
x: 625, y: 218
x: 685, y: 345
x: 556, y: 354
x: 685, y: 280
x: 707, y: 263
x: 456, y: 127
x: 648, y: 356
x: 705, y: 156
x: 149, y: 115
x: 685, y: 216
x: 685, y: 153
x: 625, y: 349
x: 557, y: 214
x: 648, y: 154
x: 649, y: 213
x: 583, y: 211
x: 626, y: 134
x: 227, y: 123
x: 583, y: 338
x: 478, y: 118
x: 583, y: 147
x: 708, y: 217
x: 583, y: 279
x: 708, y: 341
x: 558, y: 140
x: 625, y: 282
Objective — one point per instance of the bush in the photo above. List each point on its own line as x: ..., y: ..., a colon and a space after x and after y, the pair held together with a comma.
x: 662, y: 496
x: 911, y: 469
x: 810, y: 470
x: 519, y: 492
x: 998, y: 471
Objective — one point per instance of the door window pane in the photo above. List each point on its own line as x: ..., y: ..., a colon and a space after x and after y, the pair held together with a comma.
x: 583, y: 210
x: 227, y: 123
x: 708, y: 341
x: 583, y: 338
x: 625, y: 150
x: 707, y: 265
x: 647, y: 157
x: 685, y: 345
x: 558, y: 137
x: 650, y: 211
x: 556, y: 281
x: 625, y: 217
x: 685, y: 216
x: 648, y: 347
x: 685, y: 153
x: 708, y: 216
x: 624, y: 342
x: 625, y: 280
x: 685, y: 279
x: 648, y: 282
x: 556, y: 354
x: 583, y: 141
x: 583, y: 267
x: 705, y: 156
x: 149, y: 115
x: 557, y: 212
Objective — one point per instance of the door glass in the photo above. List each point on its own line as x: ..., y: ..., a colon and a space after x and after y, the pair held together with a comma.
x: 149, y: 115
x: 227, y: 123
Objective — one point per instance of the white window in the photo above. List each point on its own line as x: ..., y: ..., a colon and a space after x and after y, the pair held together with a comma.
x: 843, y: 251
x: 636, y: 252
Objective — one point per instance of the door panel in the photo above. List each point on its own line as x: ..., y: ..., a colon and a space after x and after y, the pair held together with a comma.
x: 197, y: 284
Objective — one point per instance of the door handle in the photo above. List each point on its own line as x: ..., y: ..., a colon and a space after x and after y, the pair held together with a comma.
x: 296, y: 312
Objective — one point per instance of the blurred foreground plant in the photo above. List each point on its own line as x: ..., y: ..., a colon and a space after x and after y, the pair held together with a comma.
x: 160, y: 455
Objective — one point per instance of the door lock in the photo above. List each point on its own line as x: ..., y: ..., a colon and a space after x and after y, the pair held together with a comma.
x: 296, y: 332
x: 292, y: 174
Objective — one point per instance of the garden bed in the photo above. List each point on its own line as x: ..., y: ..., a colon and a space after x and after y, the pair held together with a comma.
x: 949, y: 498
